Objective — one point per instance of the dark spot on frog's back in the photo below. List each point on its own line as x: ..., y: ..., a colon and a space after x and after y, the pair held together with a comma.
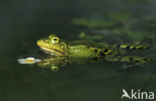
x: 146, y: 47
x: 127, y: 47
x: 139, y: 48
x: 102, y: 54
x: 95, y: 50
x: 146, y: 59
x: 105, y: 50
x: 133, y: 48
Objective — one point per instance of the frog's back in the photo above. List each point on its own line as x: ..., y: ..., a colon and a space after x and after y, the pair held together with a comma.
x: 86, y: 49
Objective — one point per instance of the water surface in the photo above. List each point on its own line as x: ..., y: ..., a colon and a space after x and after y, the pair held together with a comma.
x: 24, y: 22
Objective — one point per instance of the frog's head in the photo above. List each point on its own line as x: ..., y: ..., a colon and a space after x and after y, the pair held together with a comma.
x: 53, y: 45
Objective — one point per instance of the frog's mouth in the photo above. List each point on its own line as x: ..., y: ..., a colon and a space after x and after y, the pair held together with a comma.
x: 50, y: 50
x: 53, y: 51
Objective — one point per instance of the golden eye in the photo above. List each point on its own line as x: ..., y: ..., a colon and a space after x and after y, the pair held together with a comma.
x: 55, y: 40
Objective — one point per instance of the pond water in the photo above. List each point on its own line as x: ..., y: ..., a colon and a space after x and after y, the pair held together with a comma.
x: 24, y: 22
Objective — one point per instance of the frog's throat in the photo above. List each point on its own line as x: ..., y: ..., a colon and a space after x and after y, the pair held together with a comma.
x: 53, y: 51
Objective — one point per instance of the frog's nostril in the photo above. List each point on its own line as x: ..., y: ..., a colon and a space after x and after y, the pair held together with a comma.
x: 43, y: 39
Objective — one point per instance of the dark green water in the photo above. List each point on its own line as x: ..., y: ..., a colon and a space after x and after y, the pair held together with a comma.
x: 23, y: 22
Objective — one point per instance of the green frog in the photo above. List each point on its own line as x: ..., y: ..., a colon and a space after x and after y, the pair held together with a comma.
x: 79, y: 50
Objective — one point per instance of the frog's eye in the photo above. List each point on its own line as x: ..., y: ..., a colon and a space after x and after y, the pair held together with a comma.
x: 55, y: 40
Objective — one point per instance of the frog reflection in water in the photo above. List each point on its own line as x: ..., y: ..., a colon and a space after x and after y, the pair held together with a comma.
x: 86, y: 51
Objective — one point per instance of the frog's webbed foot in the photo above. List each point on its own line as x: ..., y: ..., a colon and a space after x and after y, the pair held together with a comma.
x: 134, y: 60
x: 134, y: 47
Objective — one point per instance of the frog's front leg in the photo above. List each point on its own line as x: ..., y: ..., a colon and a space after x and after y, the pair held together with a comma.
x: 54, y: 68
x: 135, y: 60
